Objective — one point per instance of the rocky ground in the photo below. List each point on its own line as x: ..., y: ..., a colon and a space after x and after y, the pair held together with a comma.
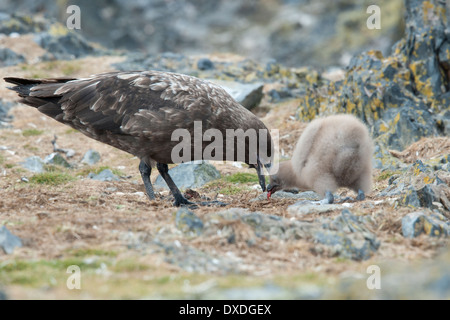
x: 70, y: 200
x: 298, y: 32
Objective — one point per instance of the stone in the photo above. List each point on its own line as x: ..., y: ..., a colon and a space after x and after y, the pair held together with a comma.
x: 349, y: 236
x: 346, y: 235
x: 306, y: 207
x: 423, y: 197
x: 249, y: 95
x: 56, y: 159
x: 190, y: 175
x: 5, y: 117
x: 91, y: 157
x: 10, y: 58
x: 307, y: 195
x: 187, y: 222
x: 33, y: 164
x: 8, y: 241
x: 416, y: 223
x: 205, y: 64
x: 389, y: 92
x: 66, y: 46
x: 104, y: 175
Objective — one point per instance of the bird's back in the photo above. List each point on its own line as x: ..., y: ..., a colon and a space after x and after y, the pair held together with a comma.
x: 136, y: 111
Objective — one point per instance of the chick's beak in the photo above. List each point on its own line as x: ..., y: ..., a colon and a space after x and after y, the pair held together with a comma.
x: 269, y: 191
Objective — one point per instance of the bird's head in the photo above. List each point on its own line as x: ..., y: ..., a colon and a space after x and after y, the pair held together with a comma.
x: 275, y: 184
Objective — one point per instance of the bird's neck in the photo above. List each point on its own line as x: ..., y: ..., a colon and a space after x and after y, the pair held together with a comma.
x: 289, y: 177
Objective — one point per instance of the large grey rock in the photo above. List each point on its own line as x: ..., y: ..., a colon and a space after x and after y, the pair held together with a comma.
x: 306, y: 207
x: 104, y: 175
x: 190, y: 175
x: 91, y: 157
x: 248, y: 95
x: 33, y: 164
x: 10, y: 58
x: 187, y: 222
x: 5, y: 117
x: 346, y: 235
x: 307, y: 195
x: 416, y: 223
x: 349, y: 236
x: 65, y: 47
x: 8, y: 241
x: 56, y: 159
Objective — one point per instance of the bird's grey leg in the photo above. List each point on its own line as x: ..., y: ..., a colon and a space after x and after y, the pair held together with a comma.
x: 164, y: 172
x: 145, y: 171
x: 361, y: 196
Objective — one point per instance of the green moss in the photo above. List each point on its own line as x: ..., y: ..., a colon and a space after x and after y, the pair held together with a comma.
x: 88, y: 252
x: 386, y: 175
x: 32, y: 132
x: 46, y: 69
x: 242, y: 177
x: 58, y: 30
x: 232, y: 190
x: 70, y: 131
x: 130, y: 265
x: 42, y: 272
x: 51, y: 178
x: 70, y: 68
x: 30, y: 148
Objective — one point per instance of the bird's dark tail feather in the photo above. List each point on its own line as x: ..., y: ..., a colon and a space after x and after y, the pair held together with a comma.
x: 23, y: 87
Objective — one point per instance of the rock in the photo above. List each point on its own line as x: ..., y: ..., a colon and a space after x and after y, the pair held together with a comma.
x: 21, y: 24
x: 190, y: 175
x: 193, y: 260
x: 8, y: 241
x: 5, y: 118
x: 419, y: 185
x: 104, y: 175
x: 307, y: 195
x: 416, y: 223
x: 346, y: 235
x: 187, y: 222
x: 10, y: 58
x: 67, y: 46
x: 33, y: 164
x: 205, y: 64
x: 56, y: 159
x: 91, y: 157
x: 388, y: 92
x: 248, y: 95
x: 349, y: 236
x: 279, y: 95
x: 306, y: 207
x: 423, y: 197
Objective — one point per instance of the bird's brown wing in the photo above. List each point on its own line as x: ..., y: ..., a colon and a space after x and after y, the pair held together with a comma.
x: 141, y: 104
